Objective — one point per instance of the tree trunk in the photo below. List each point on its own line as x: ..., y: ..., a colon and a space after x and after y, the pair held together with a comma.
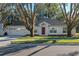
x: 69, y: 34
x: 32, y: 30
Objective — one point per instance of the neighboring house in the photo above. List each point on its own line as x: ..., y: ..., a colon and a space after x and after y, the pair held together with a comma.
x: 43, y: 26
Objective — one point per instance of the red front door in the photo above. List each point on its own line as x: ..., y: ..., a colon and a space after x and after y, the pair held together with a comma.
x: 43, y: 30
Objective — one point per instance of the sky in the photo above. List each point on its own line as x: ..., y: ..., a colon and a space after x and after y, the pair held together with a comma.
x: 68, y: 7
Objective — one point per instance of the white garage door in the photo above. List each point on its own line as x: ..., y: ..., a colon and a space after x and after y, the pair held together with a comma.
x: 17, y: 30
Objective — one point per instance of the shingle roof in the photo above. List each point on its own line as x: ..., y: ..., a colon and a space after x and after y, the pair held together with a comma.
x: 17, y: 23
x: 50, y: 21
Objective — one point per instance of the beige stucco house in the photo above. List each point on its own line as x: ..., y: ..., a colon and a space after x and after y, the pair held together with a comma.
x: 43, y: 26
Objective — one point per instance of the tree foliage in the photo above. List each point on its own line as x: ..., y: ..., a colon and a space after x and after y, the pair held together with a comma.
x: 49, y: 10
x: 28, y: 13
x: 71, y: 16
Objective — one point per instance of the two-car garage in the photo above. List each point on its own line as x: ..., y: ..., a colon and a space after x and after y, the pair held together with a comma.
x: 17, y: 30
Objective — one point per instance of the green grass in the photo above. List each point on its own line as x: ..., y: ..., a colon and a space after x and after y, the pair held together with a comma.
x: 46, y: 40
x: 75, y: 41
x: 36, y: 37
x: 48, y: 37
x: 33, y: 40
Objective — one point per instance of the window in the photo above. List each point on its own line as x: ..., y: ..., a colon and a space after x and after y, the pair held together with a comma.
x: 53, y: 30
x: 64, y: 30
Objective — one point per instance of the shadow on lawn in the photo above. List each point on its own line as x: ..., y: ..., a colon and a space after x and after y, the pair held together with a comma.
x: 14, y: 48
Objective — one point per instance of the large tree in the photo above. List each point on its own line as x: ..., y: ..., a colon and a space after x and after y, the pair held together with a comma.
x: 71, y: 16
x: 4, y: 12
x: 28, y: 13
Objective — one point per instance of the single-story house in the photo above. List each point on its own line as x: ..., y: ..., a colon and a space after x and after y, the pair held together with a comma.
x: 43, y: 26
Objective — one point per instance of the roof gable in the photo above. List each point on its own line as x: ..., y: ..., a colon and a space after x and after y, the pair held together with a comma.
x: 43, y: 23
x: 50, y: 21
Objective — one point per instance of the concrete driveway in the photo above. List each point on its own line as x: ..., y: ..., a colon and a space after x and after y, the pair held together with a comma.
x: 9, y: 37
x: 4, y: 41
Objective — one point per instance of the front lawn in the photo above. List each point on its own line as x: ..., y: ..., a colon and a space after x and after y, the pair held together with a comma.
x: 48, y: 37
x: 33, y: 40
x: 46, y: 40
x: 75, y: 41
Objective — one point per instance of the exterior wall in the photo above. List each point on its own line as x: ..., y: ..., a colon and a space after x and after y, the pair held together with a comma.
x: 48, y: 28
x: 21, y: 30
x: 44, y: 25
x: 73, y: 31
x: 17, y: 30
x: 1, y: 32
x: 37, y: 28
x: 1, y: 29
x: 59, y: 30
